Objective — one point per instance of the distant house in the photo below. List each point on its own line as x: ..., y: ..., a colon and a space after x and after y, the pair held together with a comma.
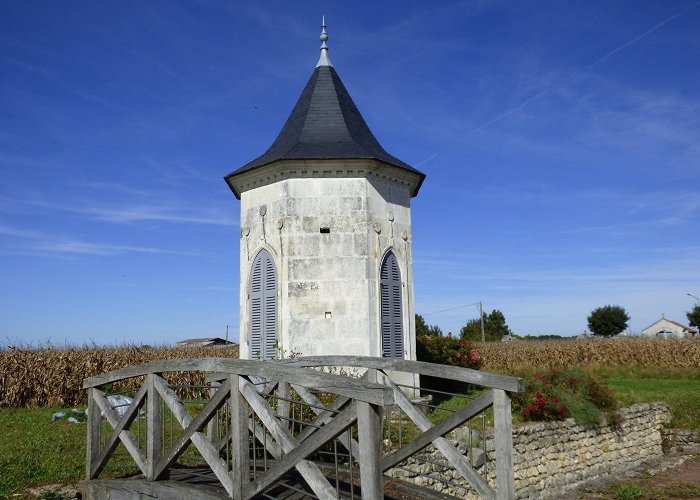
x: 206, y: 342
x: 667, y: 328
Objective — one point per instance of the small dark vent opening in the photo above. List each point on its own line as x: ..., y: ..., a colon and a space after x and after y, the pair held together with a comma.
x: 325, y: 230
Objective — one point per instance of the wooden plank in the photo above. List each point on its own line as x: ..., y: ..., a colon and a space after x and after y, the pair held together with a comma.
x: 477, y: 377
x: 192, y: 431
x: 283, y: 403
x: 309, y: 471
x: 240, y: 459
x: 503, y: 441
x: 154, y: 427
x: 424, y: 440
x: 119, y: 425
x: 357, y: 389
x: 456, y: 459
x: 290, y: 460
x: 369, y: 425
x: 92, y: 448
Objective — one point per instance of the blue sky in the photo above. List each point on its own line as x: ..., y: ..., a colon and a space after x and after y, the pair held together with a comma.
x: 561, y: 141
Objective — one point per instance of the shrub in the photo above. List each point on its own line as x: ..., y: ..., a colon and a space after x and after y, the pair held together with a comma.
x: 445, y: 351
x: 557, y: 395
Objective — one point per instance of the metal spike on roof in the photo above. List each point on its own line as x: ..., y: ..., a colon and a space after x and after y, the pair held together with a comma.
x: 324, y: 60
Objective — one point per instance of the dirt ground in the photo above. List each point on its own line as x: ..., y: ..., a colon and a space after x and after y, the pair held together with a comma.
x: 672, y: 476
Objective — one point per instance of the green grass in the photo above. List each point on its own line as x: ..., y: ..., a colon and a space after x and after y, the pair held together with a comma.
x: 682, y: 394
x: 34, y: 450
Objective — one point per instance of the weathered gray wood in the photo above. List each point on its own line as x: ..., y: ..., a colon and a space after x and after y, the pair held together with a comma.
x: 94, y: 421
x: 213, y: 425
x: 309, y: 471
x: 456, y: 459
x: 154, y: 427
x: 290, y: 460
x: 503, y: 441
x: 424, y: 440
x: 369, y: 425
x: 240, y: 460
x: 354, y: 388
x: 119, y: 424
x: 283, y: 403
x: 136, y: 489
x: 324, y: 416
x: 192, y: 431
x: 476, y: 377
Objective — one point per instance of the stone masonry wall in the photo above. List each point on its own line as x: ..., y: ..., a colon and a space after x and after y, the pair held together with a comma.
x: 550, y: 457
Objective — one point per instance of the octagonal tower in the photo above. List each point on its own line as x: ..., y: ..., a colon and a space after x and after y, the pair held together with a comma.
x: 326, y: 263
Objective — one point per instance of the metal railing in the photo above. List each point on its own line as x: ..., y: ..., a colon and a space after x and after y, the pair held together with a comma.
x: 320, y: 427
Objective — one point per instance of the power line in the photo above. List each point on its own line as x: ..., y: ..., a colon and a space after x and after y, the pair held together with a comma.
x: 452, y: 309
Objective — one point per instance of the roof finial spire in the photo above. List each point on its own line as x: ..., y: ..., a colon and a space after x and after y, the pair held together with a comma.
x: 324, y: 60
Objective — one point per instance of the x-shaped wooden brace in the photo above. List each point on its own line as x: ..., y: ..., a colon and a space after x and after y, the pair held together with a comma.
x: 120, y: 432
x: 192, y: 431
x: 433, y: 434
x: 295, y: 450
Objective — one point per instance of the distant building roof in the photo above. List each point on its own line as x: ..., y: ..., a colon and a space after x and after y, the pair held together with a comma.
x: 324, y: 124
x: 676, y: 323
x: 205, y: 341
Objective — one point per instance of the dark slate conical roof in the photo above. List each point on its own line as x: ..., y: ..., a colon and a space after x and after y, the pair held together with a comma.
x: 325, y: 124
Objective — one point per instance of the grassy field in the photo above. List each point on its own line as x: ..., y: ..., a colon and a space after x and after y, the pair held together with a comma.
x: 34, y: 450
x: 681, y: 390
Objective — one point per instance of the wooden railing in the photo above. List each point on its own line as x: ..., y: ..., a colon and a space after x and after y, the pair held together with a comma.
x: 264, y: 425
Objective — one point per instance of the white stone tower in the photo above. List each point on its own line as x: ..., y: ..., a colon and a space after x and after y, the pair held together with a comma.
x: 326, y: 263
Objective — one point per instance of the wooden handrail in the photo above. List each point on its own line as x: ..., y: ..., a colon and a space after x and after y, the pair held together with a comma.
x: 358, y: 389
x: 361, y: 404
x: 484, y: 379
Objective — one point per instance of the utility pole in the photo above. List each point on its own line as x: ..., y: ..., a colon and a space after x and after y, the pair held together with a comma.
x: 481, y: 319
x: 227, y: 327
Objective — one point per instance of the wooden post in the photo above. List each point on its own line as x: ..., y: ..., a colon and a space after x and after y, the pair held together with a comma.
x: 283, y: 406
x: 94, y: 422
x: 154, y: 427
x: 503, y: 440
x: 240, y: 460
x: 369, y: 428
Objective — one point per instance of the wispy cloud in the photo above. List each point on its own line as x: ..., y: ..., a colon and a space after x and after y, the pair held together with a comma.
x: 28, y: 242
x: 105, y: 250
x: 576, y: 75
x: 127, y: 213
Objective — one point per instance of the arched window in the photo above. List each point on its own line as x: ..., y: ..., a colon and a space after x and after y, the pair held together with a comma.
x: 263, y: 307
x: 392, y: 324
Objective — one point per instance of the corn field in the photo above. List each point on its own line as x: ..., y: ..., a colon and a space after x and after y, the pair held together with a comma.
x: 54, y: 377
x: 617, y: 352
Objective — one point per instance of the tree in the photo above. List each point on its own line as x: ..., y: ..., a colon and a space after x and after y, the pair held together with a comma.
x: 422, y: 328
x: 694, y: 316
x: 608, y: 320
x: 495, y: 327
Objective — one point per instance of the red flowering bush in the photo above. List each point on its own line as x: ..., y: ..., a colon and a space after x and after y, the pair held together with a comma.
x: 446, y: 351
x: 557, y: 395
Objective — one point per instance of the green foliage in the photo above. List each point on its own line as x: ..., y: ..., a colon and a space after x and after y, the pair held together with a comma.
x: 608, y: 320
x: 422, y: 328
x: 694, y: 316
x: 445, y: 351
x: 628, y: 492
x: 557, y: 395
x: 495, y: 327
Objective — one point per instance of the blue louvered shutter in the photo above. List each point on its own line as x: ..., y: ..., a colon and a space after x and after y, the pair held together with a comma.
x: 392, y: 323
x: 263, y: 307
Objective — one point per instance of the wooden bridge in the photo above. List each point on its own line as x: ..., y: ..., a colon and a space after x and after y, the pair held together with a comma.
x: 321, y: 427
